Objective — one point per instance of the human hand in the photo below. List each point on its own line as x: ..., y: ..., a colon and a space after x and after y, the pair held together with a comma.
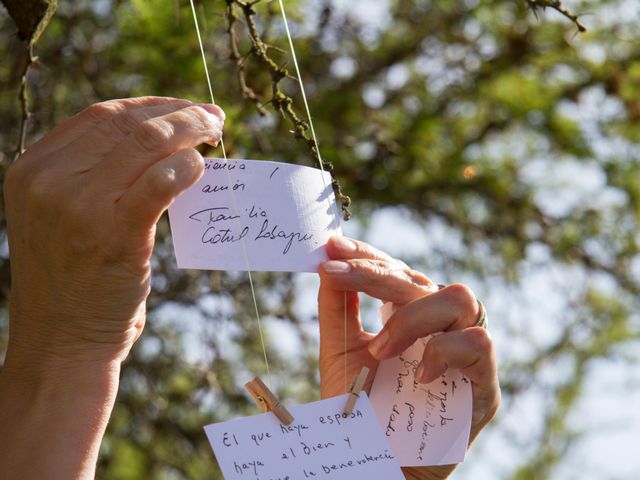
x: 82, y: 205
x: 423, y: 309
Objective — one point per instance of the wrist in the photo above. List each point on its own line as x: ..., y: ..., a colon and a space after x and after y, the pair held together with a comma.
x: 53, y: 414
x: 70, y: 333
x: 32, y: 372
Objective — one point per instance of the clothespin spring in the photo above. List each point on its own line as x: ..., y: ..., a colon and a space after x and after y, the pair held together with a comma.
x: 267, y: 401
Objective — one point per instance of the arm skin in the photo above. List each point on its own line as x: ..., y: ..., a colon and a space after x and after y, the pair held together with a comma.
x: 53, y: 415
x: 82, y: 205
x: 424, y: 309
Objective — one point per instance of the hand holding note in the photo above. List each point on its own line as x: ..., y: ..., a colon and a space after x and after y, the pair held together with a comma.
x: 82, y: 204
x: 92, y: 191
x: 357, y: 267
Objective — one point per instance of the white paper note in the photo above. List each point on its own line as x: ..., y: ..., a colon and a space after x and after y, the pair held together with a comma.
x: 320, y: 443
x: 426, y: 424
x: 283, y: 213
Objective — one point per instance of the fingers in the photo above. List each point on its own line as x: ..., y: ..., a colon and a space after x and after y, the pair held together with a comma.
x: 358, y: 267
x: 84, y: 121
x: 128, y: 121
x: 452, y: 308
x: 378, y: 275
x: 105, y: 136
x: 471, y: 351
x: 155, y: 139
x: 336, y: 321
x: 119, y: 126
x: 142, y: 205
x: 387, y: 280
x: 339, y: 247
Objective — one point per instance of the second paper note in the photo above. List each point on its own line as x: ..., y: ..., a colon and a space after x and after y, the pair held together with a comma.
x: 426, y: 424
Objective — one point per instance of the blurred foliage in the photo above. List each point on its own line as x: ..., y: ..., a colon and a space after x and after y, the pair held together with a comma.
x: 466, y: 113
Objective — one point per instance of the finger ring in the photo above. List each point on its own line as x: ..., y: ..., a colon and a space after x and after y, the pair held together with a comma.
x: 482, y: 321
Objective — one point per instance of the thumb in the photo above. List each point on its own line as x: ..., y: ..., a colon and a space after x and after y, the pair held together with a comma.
x: 153, y: 192
x: 339, y: 314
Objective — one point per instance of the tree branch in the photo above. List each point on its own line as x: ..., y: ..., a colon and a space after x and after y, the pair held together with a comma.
x: 24, y: 101
x: 280, y: 101
x: 556, y: 5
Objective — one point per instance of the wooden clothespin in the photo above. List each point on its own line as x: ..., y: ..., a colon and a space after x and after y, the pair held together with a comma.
x: 355, y: 389
x: 267, y: 401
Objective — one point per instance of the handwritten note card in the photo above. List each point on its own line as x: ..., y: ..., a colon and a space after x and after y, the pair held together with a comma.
x: 281, y: 213
x: 320, y: 443
x: 426, y: 424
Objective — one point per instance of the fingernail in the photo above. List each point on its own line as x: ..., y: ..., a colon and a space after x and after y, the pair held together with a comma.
x: 214, y: 109
x: 214, y: 119
x: 419, y: 372
x: 344, y: 244
x: 336, y: 266
x: 378, y: 344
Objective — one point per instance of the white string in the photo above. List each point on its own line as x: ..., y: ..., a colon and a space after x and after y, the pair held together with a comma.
x: 235, y: 203
x: 315, y: 142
